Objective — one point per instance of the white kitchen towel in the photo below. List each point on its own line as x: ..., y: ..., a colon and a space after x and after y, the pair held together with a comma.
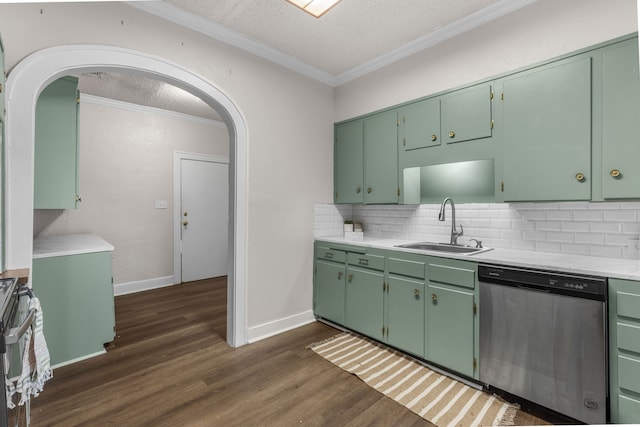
x: 36, y: 364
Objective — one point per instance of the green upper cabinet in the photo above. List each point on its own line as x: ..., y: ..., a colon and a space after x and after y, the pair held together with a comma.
x: 466, y: 114
x: 381, y: 158
x: 56, y: 146
x: 621, y: 121
x: 349, y: 162
x: 547, y: 132
x: 419, y: 124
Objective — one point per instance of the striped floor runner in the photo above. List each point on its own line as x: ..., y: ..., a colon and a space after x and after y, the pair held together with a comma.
x: 438, y: 399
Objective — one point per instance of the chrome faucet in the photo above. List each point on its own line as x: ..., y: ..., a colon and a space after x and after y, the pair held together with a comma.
x: 454, y: 233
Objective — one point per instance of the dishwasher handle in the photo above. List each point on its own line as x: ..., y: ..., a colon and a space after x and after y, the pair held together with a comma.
x: 16, y: 333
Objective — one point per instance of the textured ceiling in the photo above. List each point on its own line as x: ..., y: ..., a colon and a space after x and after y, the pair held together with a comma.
x: 351, y: 34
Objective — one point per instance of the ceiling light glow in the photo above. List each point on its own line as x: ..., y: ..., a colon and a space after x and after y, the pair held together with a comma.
x: 316, y: 8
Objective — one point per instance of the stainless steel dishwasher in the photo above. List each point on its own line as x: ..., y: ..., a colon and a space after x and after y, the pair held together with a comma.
x: 543, y: 338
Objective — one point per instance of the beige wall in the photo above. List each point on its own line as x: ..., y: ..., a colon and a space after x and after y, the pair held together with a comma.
x: 289, y: 123
x: 126, y: 164
x: 535, y: 33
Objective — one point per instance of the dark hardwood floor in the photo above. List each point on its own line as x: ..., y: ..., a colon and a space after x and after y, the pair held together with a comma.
x: 171, y: 366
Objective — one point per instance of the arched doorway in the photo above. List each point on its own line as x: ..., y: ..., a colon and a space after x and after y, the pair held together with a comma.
x: 24, y: 84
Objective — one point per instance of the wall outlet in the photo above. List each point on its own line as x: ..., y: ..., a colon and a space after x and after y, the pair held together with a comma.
x: 161, y: 204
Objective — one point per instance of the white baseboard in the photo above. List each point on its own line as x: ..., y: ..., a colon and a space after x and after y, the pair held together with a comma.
x: 142, y: 285
x: 269, y: 329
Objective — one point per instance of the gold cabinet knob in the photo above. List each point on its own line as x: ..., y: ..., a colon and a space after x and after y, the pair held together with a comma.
x: 452, y: 134
x: 416, y: 293
x: 433, y: 137
x: 339, y: 274
x: 349, y: 277
x: 185, y: 222
x: 368, y: 190
x: 580, y: 177
x: 358, y: 190
x: 615, y: 173
x: 434, y: 297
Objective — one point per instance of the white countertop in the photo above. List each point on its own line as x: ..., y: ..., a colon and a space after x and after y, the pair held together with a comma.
x: 578, y: 264
x: 69, y: 244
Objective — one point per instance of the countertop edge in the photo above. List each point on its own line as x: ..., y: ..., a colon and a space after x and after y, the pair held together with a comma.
x: 572, y: 264
x: 69, y: 244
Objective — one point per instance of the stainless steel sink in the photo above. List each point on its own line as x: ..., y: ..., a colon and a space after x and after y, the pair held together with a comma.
x: 444, y: 247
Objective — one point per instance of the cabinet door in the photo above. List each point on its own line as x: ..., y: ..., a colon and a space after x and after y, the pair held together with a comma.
x: 420, y: 124
x: 76, y: 294
x: 381, y: 158
x: 2, y: 81
x: 329, y: 291
x: 364, y: 304
x: 56, y: 146
x: 466, y: 114
x: 405, y: 314
x: 620, y: 121
x: 547, y: 132
x: 348, y: 162
x: 450, y: 329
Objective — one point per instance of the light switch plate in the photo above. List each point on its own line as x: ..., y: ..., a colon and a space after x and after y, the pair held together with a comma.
x: 161, y: 204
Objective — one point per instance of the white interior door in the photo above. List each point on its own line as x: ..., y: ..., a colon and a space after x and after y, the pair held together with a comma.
x: 204, y: 218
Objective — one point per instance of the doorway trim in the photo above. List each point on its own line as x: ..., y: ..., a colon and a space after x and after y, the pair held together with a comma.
x: 24, y: 84
x: 177, y: 212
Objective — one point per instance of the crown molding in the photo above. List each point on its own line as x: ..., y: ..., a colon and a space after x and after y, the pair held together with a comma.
x: 221, y: 33
x: 454, y: 29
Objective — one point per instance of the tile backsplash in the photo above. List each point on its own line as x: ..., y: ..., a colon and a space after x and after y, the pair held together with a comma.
x: 602, y: 229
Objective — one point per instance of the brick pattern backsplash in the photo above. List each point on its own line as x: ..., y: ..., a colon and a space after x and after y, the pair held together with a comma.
x: 598, y: 229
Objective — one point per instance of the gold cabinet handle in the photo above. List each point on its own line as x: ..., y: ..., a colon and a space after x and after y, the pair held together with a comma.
x: 358, y: 190
x: 339, y: 274
x: 368, y: 190
x: 349, y: 277
x: 433, y: 137
x: 452, y: 134
x: 434, y: 297
x: 416, y: 293
x: 615, y: 173
x: 580, y: 177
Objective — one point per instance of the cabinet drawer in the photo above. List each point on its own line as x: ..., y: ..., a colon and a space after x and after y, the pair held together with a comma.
x: 629, y: 305
x: 329, y: 254
x: 629, y: 373
x: 408, y: 268
x: 628, y: 337
x: 452, y: 275
x: 375, y: 262
x: 629, y: 410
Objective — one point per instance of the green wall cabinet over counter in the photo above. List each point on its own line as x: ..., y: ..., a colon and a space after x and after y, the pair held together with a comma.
x: 76, y: 294
x: 349, y: 162
x: 56, y: 146
x: 547, y: 132
x: 562, y: 130
x: 621, y: 121
x: 624, y: 351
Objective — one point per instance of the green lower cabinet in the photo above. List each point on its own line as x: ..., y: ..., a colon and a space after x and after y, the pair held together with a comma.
x: 329, y: 291
x: 450, y: 329
x: 364, y: 301
x: 76, y: 294
x: 624, y: 351
x: 405, y: 314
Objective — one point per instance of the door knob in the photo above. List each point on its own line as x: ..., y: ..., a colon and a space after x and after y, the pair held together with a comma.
x: 185, y: 222
x: 185, y: 213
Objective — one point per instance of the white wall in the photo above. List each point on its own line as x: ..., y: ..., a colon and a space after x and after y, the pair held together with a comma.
x: 535, y: 33
x: 126, y: 164
x: 289, y: 122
